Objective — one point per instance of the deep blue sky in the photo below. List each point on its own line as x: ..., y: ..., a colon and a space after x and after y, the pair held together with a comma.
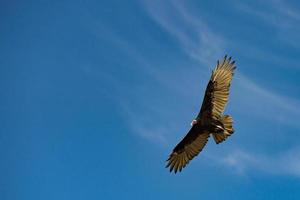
x: 95, y: 94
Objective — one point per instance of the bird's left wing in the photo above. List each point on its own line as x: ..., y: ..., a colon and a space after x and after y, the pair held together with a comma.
x: 189, y: 147
x: 217, y: 90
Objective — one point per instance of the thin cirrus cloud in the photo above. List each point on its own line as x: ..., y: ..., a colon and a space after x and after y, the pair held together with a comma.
x: 278, y: 14
x: 285, y: 163
x: 194, y: 36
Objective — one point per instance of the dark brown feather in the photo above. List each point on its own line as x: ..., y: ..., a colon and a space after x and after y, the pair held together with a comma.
x: 189, y: 147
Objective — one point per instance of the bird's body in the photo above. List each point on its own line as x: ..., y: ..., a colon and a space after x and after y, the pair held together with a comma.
x: 210, y: 119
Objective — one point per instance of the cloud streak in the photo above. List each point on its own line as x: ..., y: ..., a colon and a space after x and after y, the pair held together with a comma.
x: 197, y: 40
x: 278, y: 14
x: 241, y: 162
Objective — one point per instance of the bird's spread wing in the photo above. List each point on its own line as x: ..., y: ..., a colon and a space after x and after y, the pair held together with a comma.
x: 217, y: 90
x: 191, y: 145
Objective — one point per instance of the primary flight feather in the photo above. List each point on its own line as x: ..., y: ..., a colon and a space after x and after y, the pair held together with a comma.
x: 210, y: 120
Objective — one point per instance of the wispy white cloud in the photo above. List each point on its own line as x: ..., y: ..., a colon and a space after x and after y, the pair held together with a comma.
x: 265, y: 104
x: 144, y: 126
x: 196, y: 38
x: 276, y: 13
x: 243, y: 162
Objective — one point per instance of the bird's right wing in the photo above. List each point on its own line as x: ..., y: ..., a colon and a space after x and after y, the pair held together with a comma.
x: 189, y: 147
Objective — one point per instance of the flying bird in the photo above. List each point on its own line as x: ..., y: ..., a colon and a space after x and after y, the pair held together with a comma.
x: 210, y: 120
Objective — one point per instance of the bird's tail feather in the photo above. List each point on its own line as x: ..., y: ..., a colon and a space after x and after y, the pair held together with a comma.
x: 228, y: 129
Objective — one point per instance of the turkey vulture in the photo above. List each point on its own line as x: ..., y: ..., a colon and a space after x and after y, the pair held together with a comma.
x: 210, y: 119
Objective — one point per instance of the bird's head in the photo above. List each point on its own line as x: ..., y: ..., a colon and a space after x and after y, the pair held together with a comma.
x: 194, y: 122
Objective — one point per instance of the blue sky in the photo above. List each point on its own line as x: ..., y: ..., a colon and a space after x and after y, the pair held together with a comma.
x: 95, y: 94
